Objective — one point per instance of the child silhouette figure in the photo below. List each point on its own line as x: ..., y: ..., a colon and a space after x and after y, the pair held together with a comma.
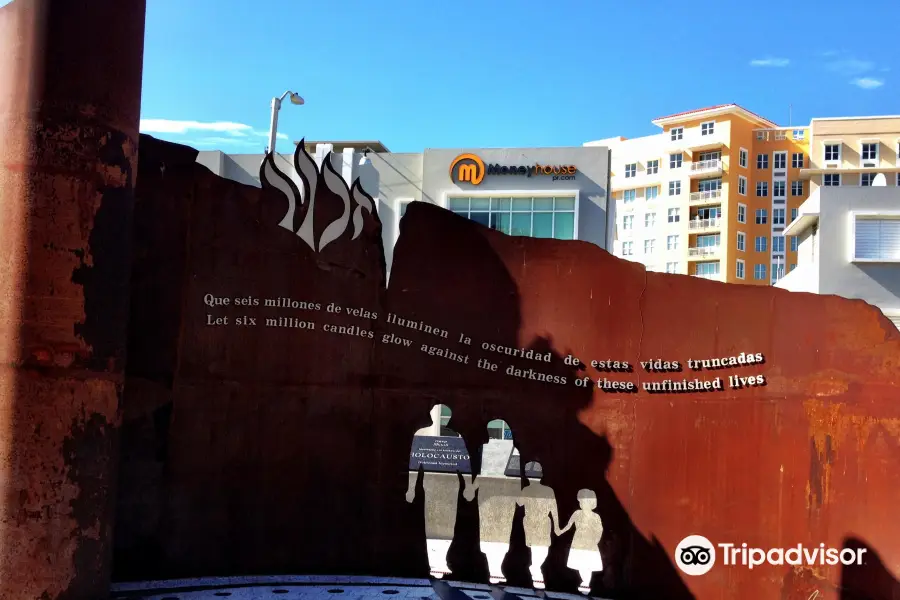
x: 584, y: 554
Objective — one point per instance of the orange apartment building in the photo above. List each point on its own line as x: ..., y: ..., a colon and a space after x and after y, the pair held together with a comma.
x: 710, y: 195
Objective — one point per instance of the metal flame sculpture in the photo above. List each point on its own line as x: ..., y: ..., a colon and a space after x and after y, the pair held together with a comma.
x: 301, y: 205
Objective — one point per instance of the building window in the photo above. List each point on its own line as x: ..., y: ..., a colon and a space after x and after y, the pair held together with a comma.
x: 649, y: 246
x: 630, y: 170
x: 707, y: 128
x: 709, y: 185
x: 671, y: 267
x: 675, y: 161
x: 652, y: 167
x: 677, y: 133
x: 762, y: 188
x: 761, y: 216
x: 739, y: 271
x: 628, y: 222
x: 877, y: 238
x: 778, y: 189
x: 793, y: 266
x: 672, y: 242
x: 651, y: 193
x: 777, y: 216
x: 761, y: 136
x: 759, y: 272
x: 777, y: 271
x: 832, y: 152
x: 898, y: 179
x: 870, y: 151
x: 780, y: 160
x: 650, y: 219
x: 742, y: 158
x: 796, y: 188
x: 742, y: 185
x: 762, y: 243
x: 866, y: 179
x: 762, y: 161
x: 674, y: 188
x: 794, y: 213
x: 795, y: 243
x: 799, y: 134
x: 707, y: 269
x: 797, y: 160
x: 627, y: 248
x: 741, y: 241
x: 674, y: 217
x: 540, y: 217
x: 780, y: 135
x: 742, y: 213
x: 628, y: 196
x: 709, y: 241
x: 831, y: 179
x: 777, y: 243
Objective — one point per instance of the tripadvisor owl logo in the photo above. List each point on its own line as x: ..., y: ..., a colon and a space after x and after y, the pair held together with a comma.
x: 695, y: 555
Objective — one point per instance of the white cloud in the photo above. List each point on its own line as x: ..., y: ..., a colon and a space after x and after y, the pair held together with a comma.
x: 850, y: 66
x: 884, y: 69
x: 238, y: 130
x: 829, y: 53
x: 770, y: 62
x: 868, y: 83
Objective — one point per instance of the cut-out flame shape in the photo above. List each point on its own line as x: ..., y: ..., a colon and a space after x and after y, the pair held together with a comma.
x: 300, y: 213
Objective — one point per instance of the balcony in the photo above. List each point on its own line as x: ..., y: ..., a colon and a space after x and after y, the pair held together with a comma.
x: 712, y: 197
x: 693, y: 140
x: 704, y: 251
x: 706, y: 168
x: 701, y: 225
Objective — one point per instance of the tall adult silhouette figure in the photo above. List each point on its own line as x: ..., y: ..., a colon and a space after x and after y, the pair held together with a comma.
x: 496, y: 505
x: 441, y: 498
x: 541, y: 520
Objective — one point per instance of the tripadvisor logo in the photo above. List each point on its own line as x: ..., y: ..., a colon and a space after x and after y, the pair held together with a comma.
x: 470, y: 168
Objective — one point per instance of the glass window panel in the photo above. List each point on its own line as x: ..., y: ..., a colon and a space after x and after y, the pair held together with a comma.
x: 481, y: 217
x: 445, y: 411
x: 459, y: 204
x: 500, y: 203
x: 500, y: 222
x: 481, y: 203
x: 521, y: 223
x: 565, y: 226
x: 566, y: 203
x: 543, y: 204
x: 520, y: 204
x: 543, y: 225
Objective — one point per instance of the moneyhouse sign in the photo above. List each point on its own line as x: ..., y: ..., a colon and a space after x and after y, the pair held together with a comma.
x: 470, y: 168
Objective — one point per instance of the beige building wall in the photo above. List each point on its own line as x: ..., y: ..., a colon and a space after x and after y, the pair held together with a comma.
x: 850, y: 133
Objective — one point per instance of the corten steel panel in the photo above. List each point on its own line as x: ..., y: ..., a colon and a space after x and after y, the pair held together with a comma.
x: 70, y: 76
x: 273, y: 450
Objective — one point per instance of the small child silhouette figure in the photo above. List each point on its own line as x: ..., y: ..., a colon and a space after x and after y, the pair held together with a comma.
x: 584, y: 554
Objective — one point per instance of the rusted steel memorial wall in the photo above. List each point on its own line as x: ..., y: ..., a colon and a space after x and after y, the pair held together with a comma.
x: 202, y: 378
x: 275, y: 382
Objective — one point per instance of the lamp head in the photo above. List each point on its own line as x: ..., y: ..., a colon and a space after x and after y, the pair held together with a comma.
x: 365, y: 158
x: 296, y: 99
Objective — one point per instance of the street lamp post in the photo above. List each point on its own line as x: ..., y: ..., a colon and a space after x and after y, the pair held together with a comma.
x: 276, y: 106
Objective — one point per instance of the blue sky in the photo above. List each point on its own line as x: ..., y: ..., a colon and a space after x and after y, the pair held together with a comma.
x: 496, y: 73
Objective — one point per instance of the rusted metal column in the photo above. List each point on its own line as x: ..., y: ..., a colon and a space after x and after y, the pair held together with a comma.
x: 70, y: 89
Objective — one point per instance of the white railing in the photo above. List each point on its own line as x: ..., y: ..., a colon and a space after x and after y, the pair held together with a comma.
x: 704, y: 250
x: 704, y: 223
x: 707, y: 165
x: 713, y: 276
x: 706, y: 196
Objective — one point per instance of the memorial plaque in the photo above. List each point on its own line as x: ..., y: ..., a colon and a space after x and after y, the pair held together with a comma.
x: 439, y: 454
x: 495, y: 456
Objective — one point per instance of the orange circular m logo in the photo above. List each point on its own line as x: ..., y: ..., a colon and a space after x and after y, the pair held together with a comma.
x: 468, y: 168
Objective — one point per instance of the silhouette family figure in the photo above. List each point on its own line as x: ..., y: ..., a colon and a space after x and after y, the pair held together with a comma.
x: 498, y: 496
